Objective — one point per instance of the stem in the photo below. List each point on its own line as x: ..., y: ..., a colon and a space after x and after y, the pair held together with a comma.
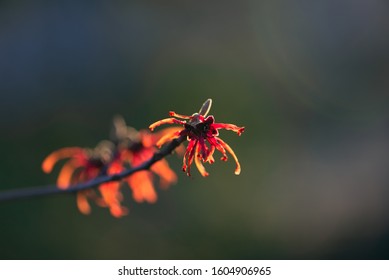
x: 53, y: 189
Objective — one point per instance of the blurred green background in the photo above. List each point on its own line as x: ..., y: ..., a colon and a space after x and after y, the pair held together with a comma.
x: 308, y: 79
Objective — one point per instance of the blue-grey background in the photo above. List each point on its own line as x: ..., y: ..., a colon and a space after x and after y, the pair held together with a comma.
x: 308, y: 79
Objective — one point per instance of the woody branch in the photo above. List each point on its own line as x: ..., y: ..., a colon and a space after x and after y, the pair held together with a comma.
x: 53, y: 189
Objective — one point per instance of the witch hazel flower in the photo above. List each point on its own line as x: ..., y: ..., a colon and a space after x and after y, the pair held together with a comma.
x: 133, y: 149
x: 128, y: 148
x: 202, y: 133
x: 85, y: 164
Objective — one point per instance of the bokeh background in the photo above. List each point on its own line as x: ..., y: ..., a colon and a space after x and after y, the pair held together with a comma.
x: 308, y: 79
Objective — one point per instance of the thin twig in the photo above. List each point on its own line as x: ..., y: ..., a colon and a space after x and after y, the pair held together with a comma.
x: 53, y: 189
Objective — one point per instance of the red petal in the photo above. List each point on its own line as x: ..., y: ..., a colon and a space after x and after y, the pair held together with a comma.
x: 189, y: 149
x: 198, y: 163
x: 190, y: 157
x: 214, y: 142
x: 237, y: 129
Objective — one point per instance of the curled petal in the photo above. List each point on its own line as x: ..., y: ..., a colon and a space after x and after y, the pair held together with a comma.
x: 228, y: 126
x: 214, y: 141
x: 187, y: 152
x: 228, y: 148
x: 198, y: 163
x: 54, y: 157
x: 64, y: 179
x: 191, y: 157
x: 210, y: 158
x: 188, y: 157
x: 165, y: 121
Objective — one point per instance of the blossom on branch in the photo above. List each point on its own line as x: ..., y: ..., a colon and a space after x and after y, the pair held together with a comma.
x: 202, y: 133
x: 128, y: 148
x: 135, y: 148
x: 84, y: 165
x: 131, y: 157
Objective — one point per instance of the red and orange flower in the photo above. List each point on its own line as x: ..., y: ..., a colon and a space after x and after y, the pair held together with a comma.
x: 135, y: 148
x: 128, y: 148
x: 84, y: 165
x: 202, y: 133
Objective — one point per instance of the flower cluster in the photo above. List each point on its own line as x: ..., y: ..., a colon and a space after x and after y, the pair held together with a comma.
x: 202, y: 133
x: 127, y: 148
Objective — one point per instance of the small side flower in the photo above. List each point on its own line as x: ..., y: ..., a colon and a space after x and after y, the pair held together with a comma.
x: 86, y: 164
x: 128, y: 148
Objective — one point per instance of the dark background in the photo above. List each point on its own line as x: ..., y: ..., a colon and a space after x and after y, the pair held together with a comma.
x: 308, y: 79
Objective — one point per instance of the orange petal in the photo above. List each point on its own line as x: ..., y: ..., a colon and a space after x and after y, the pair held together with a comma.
x: 167, y: 137
x: 157, y: 135
x: 165, y: 121
x: 64, y: 179
x: 112, y: 197
x: 109, y: 192
x: 174, y: 114
x: 228, y: 148
x: 142, y: 187
x: 82, y: 203
x: 49, y: 162
x: 162, y: 169
x: 118, y: 212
